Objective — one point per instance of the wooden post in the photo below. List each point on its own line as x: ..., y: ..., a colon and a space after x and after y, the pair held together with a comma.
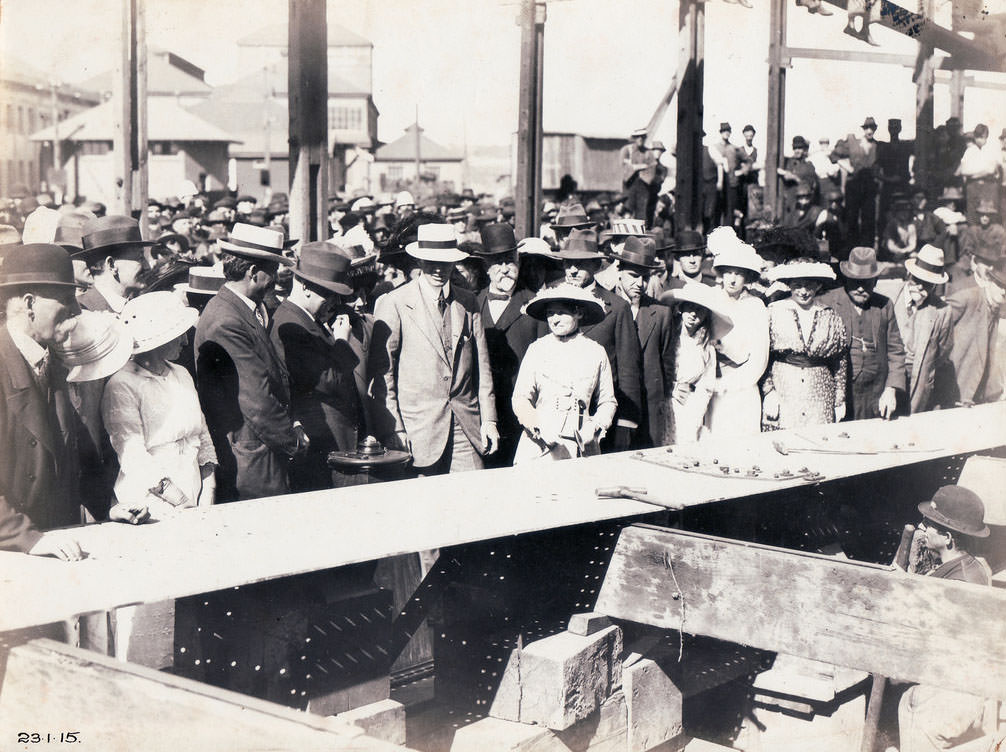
x: 308, y: 87
x: 957, y: 84
x: 129, y: 91
x: 688, y: 180
x: 419, y: 158
x: 925, y: 78
x: 775, y: 130
x: 541, y: 12
x: 526, y: 118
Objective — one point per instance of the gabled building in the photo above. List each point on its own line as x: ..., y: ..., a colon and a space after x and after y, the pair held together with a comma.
x: 395, y: 163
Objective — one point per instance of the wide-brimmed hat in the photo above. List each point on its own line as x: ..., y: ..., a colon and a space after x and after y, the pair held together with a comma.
x: 40, y: 226
x: 929, y: 265
x: 404, y: 198
x: 986, y: 206
x: 111, y: 235
x: 729, y: 250
x: 711, y: 298
x: 957, y: 508
x: 363, y: 205
x: 203, y: 280
x: 662, y: 241
x: 861, y: 264
x: 457, y: 214
x: 570, y: 217
x: 802, y: 270
x: 156, y: 318
x: 173, y: 237
x: 593, y: 309
x: 320, y: 263
x: 952, y: 193
x: 37, y: 264
x: 358, y: 254
x: 497, y: 239
x: 69, y: 231
x: 536, y: 247
x: 97, y: 346
x: 869, y: 123
x: 688, y: 241
x: 436, y: 242
x: 638, y: 252
x: 581, y: 245
x: 256, y: 243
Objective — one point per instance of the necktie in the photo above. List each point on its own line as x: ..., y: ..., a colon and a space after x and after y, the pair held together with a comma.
x: 260, y: 315
x: 497, y: 296
x: 445, y: 322
x: 442, y: 303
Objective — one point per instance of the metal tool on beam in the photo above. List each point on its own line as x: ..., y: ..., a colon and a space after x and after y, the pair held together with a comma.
x: 636, y: 494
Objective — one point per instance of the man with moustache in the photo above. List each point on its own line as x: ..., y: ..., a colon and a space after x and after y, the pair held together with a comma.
x: 876, y: 351
x: 581, y: 260
x: 636, y: 260
x: 508, y: 331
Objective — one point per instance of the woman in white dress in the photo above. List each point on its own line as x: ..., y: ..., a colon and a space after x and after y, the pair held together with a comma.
x: 151, y: 412
x: 563, y: 396
x: 742, y: 353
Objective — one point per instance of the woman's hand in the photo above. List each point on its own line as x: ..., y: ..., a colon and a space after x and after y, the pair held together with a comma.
x: 208, y: 493
x: 839, y: 412
x: 131, y: 514
x: 682, y: 391
x: 770, y: 405
x: 545, y: 435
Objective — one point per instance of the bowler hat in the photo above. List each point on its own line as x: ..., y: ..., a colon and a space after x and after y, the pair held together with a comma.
x: 37, y: 264
x: 109, y: 234
x: 869, y: 123
x: 571, y: 216
x: 256, y: 243
x: 321, y: 264
x: 957, y: 508
x: 638, y: 252
x: 497, y: 239
x: 581, y: 245
x: 862, y: 264
x: 929, y: 265
x: 589, y: 305
x: 688, y: 241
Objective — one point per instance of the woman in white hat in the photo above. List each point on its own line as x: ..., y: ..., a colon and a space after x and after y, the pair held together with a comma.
x: 152, y: 415
x: 926, y: 323
x: 701, y: 320
x: 562, y: 375
x: 742, y: 353
x: 806, y: 379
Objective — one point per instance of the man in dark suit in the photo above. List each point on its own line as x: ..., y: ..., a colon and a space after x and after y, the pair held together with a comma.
x: 876, y: 350
x: 616, y: 334
x: 311, y: 332
x: 439, y: 385
x: 639, y: 171
x: 243, y: 384
x: 37, y: 479
x: 508, y: 331
x: 637, y: 259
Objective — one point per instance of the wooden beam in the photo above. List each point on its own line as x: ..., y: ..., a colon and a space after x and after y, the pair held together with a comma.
x: 691, y: 65
x: 236, y: 544
x: 52, y: 688
x: 308, y: 124
x: 852, y: 614
x: 527, y: 119
x: 776, y: 104
x: 789, y: 54
x: 925, y: 78
x: 658, y: 114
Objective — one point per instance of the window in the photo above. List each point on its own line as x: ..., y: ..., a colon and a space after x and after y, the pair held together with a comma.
x: 394, y: 172
x: 95, y: 147
x: 344, y: 118
x: 163, y: 147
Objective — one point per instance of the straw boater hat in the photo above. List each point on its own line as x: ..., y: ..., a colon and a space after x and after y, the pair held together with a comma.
x: 256, y: 243
x: 802, y: 270
x: 110, y: 236
x: 627, y: 227
x: 156, y: 318
x: 436, y: 242
x: 581, y: 245
x: 929, y: 265
x: 710, y: 298
x: 862, y: 264
x: 570, y: 217
x: 957, y: 508
x: 593, y: 310
x: 98, y: 346
x: 203, y: 280
x: 321, y: 264
x: 639, y: 253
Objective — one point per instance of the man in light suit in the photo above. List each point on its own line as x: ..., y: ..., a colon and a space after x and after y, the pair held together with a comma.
x: 508, y: 331
x: 926, y: 324
x: 439, y: 382
x: 243, y: 384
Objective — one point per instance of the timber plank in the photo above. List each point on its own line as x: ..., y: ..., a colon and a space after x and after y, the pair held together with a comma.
x: 211, y: 548
x: 852, y: 614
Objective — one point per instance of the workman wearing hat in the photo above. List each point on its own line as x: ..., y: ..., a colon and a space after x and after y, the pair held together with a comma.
x: 310, y: 331
x: 690, y: 263
x: 243, y: 383
x: 893, y: 158
x: 858, y: 159
x: 805, y: 214
x: 639, y: 171
x: 439, y: 382
x: 748, y: 170
x: 796, y: 172
x: 508, y: 331
x: 636, y: 260
x: 875, y: 349
x: 926, y: 325
x: 581, y: 261
x: 983, y: 239
x: 979, y: 168
x: 38, y: 485
x: 930, y: 717
x: 728, y: 161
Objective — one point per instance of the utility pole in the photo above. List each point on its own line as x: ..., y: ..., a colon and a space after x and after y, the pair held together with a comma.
x: 130, y: 96
x: 308, y: 90
x: 774, y: 132
x: 925, y: 77
x: 532, y: 30
x: 688, y: 185
x: 267, y: 136
x: 419, y: 157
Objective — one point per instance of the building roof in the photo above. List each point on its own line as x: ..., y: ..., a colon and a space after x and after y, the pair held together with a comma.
x: 167, y: 74
x: 245, y: 118
x: 404, y: 149
x: 277, y: 35
x: 166, y: 121
x: 16, y: 71
x: 274, y: 82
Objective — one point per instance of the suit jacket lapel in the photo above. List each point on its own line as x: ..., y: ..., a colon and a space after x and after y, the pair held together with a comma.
x: 646, y: 319
x: 458, y: 315
x: 422, y: 316
x: 25, y: 399
x: 248, y: 316
x: 511, y: 313
x: 922, y: 331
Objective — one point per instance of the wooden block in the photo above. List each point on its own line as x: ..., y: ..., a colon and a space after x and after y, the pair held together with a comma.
x: 849, y: 613
x: 653, y: 703
x: 588, y: 624
x: 349, y: 698
x: 502, y: 736
x: 118, y: 706
x: 384, y: 720
x: 787, y: 730
x: 561, y: 679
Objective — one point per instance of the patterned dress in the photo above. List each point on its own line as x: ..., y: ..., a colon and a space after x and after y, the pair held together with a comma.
x: 807, y: 369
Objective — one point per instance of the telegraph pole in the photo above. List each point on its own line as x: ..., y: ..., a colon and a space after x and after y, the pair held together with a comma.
x: 130, y: 96
x: 529, y: 135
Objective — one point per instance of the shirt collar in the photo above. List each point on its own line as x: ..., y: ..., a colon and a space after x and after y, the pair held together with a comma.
x: 247, y: 301
x: 431, y: 292
x: 115, y: 301
x: 33, y: 353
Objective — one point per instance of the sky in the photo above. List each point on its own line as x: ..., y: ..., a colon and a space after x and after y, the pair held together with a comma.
x: 607, y: 63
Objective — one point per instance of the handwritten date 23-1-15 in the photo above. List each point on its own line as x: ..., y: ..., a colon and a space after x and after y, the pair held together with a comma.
x: 63, y: 737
